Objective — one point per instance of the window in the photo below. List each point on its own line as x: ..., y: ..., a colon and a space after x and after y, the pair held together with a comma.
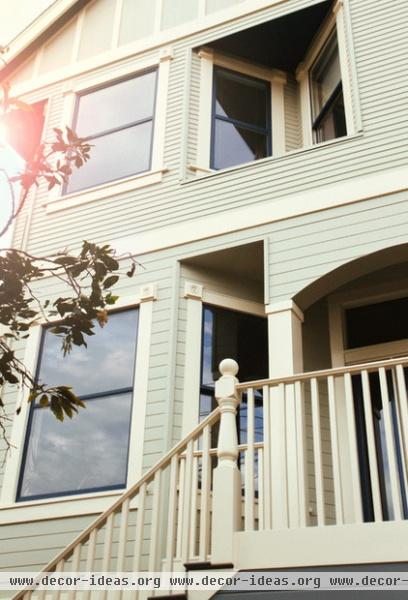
x: 243, y: 337
x: 90, y: 452
x: 328, y: 113
x: 118, y: 121
x: 241, y: 128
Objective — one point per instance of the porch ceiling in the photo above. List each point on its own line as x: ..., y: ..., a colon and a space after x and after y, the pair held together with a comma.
x: 280, y: 43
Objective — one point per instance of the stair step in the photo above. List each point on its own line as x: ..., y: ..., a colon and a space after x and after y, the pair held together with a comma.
x: 207, y: 566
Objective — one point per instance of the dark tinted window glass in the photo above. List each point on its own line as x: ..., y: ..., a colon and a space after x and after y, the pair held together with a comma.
x: 241, y: 99
x: 377, y: 323
x: 230, y: 334
x: 235, y: 145
x: 241, y: 119
x: 90, y: 451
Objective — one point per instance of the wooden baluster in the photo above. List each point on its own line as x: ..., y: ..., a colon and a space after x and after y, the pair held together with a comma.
x: 172, y: 513
x: 185, y: 515
x: 59, y: 569
x: 107, y: 550
x: 180, y: 511
x: 138, y: 546
x: 371, y: 448
x: 205, y: 496
x: 249, y: 463
x: 403, y: 412
x: 390, y: 443
x: 76, y: 561
x: 261, y: 499
x: 193, y: 515
x: 267, y: 495
x: 301, y: 454
x: 338, y: 498
x: 155, y: 529
x: 317, y: 451
x: 355, y: 490
x: 90, y: 559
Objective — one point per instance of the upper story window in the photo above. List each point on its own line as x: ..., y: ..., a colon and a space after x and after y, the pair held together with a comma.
x: 89, y: 452
x: 241, y: 119
x: 328, y: 113
x: 118, y: 122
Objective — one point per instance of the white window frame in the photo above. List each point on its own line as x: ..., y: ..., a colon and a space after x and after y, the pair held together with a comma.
x: 197, y: 295
x: 55, y: 200
x: 339, y: 21
x: 92, y: 502
x: 277, y: 79
x: 338, y: 303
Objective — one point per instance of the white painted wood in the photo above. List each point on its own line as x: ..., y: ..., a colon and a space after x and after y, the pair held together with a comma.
x: 140, y: 388
x: 317, y: 451
x: 90, y: 559
x: 186, y: 512
x: 352, y: 444
x: 371, y: 448
x: 266, y: 460
x: 278, y: 116
x: 285, y: 358
x: 191, y: 392
x: 301, y: 454
x: 161, y: 110
x: 172, y: 514
x: 180, y: 506
x: 390, y: 444
x: 249, y: 464
x: 123, y: 535
x: 226, y: 515
x: 107, y: 543
x: 154, y: 557
x: 137, y: 553
x: 204, y: 123
x: 261, y: 493
x: 346, y: 77
x: 335, y: 451
x: 205, y: 496
x: 193, y: 510
x: 403, y: 410
x: 76, y: 561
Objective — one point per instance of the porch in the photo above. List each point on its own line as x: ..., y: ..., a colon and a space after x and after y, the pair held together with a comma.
x: 303, y: 498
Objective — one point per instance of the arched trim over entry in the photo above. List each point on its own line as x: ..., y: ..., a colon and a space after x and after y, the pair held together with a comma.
x: 350, y: 271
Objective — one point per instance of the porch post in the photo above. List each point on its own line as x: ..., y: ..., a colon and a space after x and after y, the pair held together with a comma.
x: 287, y: 423
x: 226, y: 514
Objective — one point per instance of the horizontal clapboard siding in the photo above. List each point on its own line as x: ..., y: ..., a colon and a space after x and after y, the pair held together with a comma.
x: 299, y: 250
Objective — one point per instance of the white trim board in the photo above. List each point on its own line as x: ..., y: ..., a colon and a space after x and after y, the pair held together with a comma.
x: 89, y: 503
x: 294, y: 205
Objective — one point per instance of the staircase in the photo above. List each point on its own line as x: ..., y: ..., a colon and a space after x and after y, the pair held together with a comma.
x: 292, y: 495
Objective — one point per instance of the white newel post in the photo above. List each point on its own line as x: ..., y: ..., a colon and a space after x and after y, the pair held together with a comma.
x: 289, y: 502
x: 226, y: 514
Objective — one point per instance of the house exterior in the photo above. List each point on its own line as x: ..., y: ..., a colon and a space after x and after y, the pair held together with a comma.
x: 252, y: 155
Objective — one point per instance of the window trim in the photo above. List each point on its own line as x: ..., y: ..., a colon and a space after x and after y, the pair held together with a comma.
x: 267, y: 131
x: 277, y: 79
x: 337, y: 21
x: 113, y: 130
x: 90, y: 502
x: 341, y: 301
x: 56, y: 199
x: 196, y: 295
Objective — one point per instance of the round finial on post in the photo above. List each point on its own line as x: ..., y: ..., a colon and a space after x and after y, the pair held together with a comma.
x: 228, y: 366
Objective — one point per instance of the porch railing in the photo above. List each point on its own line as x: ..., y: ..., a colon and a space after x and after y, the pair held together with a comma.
x: 333, y: 448
x: 318, y: 449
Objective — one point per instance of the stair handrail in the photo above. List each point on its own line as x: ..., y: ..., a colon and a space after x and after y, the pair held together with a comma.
x: 128, y: 495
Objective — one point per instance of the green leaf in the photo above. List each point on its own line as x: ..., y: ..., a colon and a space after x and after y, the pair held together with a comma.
x: 110, y: 281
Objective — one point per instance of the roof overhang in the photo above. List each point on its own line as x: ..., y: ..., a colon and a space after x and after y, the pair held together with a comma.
x: 33, y: 36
